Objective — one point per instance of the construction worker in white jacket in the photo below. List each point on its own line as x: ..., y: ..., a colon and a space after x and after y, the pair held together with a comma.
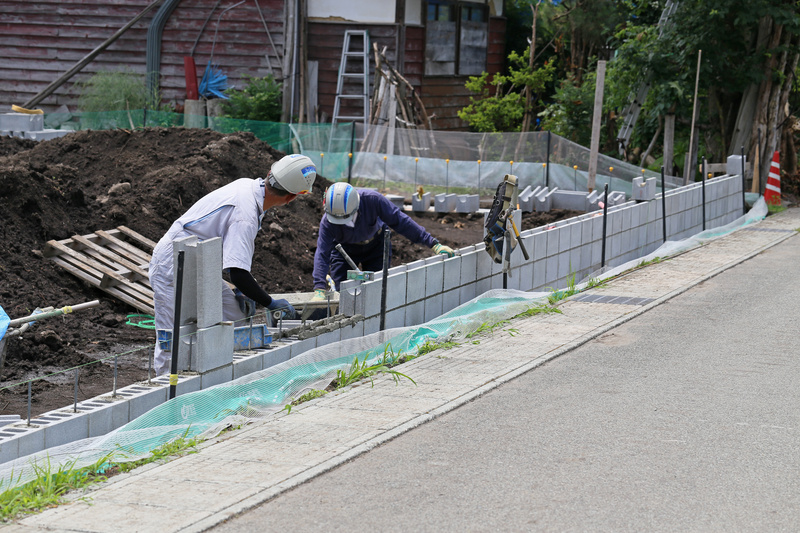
x: 234, y: 213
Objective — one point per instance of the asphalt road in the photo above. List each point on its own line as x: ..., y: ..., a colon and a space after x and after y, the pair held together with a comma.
x: 683, y: 419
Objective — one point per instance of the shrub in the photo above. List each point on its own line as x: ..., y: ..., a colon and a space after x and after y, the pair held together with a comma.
x: 259, y: 100
x: 113, y: 91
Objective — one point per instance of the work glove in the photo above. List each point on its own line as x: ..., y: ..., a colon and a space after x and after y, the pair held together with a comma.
x: 320, y: 294
x: 284, y: 306
x: 246, y: 305
x: 442, y: 249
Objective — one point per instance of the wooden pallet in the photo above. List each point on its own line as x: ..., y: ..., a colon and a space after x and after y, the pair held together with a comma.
x: 115, y: 261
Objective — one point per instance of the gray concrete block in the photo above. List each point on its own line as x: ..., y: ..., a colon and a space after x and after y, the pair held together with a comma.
x: 9, y: 447
x: 564, y: 236
x: 576, y: 234
x: 615, y: 221
x: 330, y: 337
x: 21, y: 122
x: 467, y: 292
x: 354, y: 331
x: 483, y: 285
x: 597, y: 252
x: 299, y: 347
x: 415, y: 284
x: 244, y: 365
x: 575, y: 262
x: 575, y: 200
x: 217, y: 376
x: 214, y: 347
x: 564, y: 264
x: 450, y: 300
x: 525, y: 199
x: 278, y: 354
x: 46, y: 134
x: 539, y: 249
x: 69, y: 428
x: 539, y: 274
x: 543, y: 200
x: 372, y: 325
x: 467, y: 203
x: 415, y: 313
x: 350, y: 300
x: 434, y: 278
x: 397, y: 200
x: 553, y: 241
x: 613, y: 248
x: 452, y: 272
x: 371, y: 295
x: 396, y: 290
x: 469, y: 267
x: 420, y: 204
x: 433, y: 307
x: 187, y: 245
x: 483, y: 266
x: 99, y: 417
x: 209, y: 293
x: 643, y: 190
x: 142, y: 399
x: 395, y: 318
x: 526, y: 276
x: 186, y: 383
x: 444, y: 203
x: 551, y: 270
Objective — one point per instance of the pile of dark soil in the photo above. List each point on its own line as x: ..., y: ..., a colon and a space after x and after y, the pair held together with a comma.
x: 60, y: 188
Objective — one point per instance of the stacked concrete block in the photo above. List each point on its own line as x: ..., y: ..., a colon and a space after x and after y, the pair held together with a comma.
x: 543, y: 200
x: 525, y: 199
x: 467, y: 203
x: 397, y: 200
x: 445, y: 203
x: 420, y: 203
x: 643, y: 190
x: 27, y: 126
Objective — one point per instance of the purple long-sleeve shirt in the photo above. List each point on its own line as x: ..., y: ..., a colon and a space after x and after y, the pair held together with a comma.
x: 374, y: 210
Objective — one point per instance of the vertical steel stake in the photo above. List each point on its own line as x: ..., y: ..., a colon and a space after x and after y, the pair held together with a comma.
x: 605, y: 225
x: 75, y: 402
x: 547, y: 163
x: 29, y: 403
x: 703, y: 187
x: 387, y: 251
x: 176, y: 327
x: 744, y: 184
x: 114, y: 392
x: 352, y: 148
x: 663, y: 205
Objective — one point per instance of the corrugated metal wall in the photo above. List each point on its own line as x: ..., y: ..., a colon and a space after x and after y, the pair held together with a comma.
x: 42, y: 39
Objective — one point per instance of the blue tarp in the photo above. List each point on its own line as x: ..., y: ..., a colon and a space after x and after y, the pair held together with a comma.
x: 4, y: 320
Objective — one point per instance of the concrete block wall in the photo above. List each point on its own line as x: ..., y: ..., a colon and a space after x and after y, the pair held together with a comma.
x: 425, y: 289
x: 417, y: 292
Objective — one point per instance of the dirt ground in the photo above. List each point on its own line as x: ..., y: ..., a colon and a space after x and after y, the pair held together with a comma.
x: 60, y: 188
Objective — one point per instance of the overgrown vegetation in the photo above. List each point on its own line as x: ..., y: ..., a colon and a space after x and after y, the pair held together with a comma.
x: 259, y: 100
x: 113, y: 91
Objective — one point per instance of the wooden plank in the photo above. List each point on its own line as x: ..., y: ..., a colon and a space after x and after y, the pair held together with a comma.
x: 119, y: 244
x: 137, y: 237
x: 116, y: 258
x: 106, y: 276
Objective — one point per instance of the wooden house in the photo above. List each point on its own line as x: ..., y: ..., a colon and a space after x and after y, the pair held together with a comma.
x: 435, y: 44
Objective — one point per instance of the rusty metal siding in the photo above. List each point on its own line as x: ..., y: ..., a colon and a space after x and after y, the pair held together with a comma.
x: 42, y: 39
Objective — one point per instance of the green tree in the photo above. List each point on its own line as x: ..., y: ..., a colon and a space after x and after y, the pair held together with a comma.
x: 259, y: 100
x: 500, y: 102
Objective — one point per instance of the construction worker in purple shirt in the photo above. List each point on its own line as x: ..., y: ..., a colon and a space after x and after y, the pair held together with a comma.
x: 356, y: 219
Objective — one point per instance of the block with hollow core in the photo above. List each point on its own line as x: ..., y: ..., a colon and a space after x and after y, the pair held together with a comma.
x: 251, y: 336
x: 444, y: 203
x: 525, y: 199
x: 420, y: 204
x: 643, y: 190
x: 467, y: 203
x: 543, y: 200
x: 208, y: 285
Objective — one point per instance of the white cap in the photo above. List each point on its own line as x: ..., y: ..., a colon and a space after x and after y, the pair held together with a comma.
x: 340, y: 202
x: 293, y: 173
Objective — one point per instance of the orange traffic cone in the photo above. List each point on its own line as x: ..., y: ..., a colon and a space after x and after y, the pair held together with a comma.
x: 772, y: 192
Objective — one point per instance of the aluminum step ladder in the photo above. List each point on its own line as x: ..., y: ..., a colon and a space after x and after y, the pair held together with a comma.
x: 353, y: 72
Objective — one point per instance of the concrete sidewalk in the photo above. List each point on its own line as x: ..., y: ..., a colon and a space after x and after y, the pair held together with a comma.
x: 247, y: 467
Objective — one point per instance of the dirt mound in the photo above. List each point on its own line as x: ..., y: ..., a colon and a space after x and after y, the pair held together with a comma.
x: 144, y: 179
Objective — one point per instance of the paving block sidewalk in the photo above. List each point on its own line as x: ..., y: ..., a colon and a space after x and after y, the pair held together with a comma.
x: 244, y: 468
